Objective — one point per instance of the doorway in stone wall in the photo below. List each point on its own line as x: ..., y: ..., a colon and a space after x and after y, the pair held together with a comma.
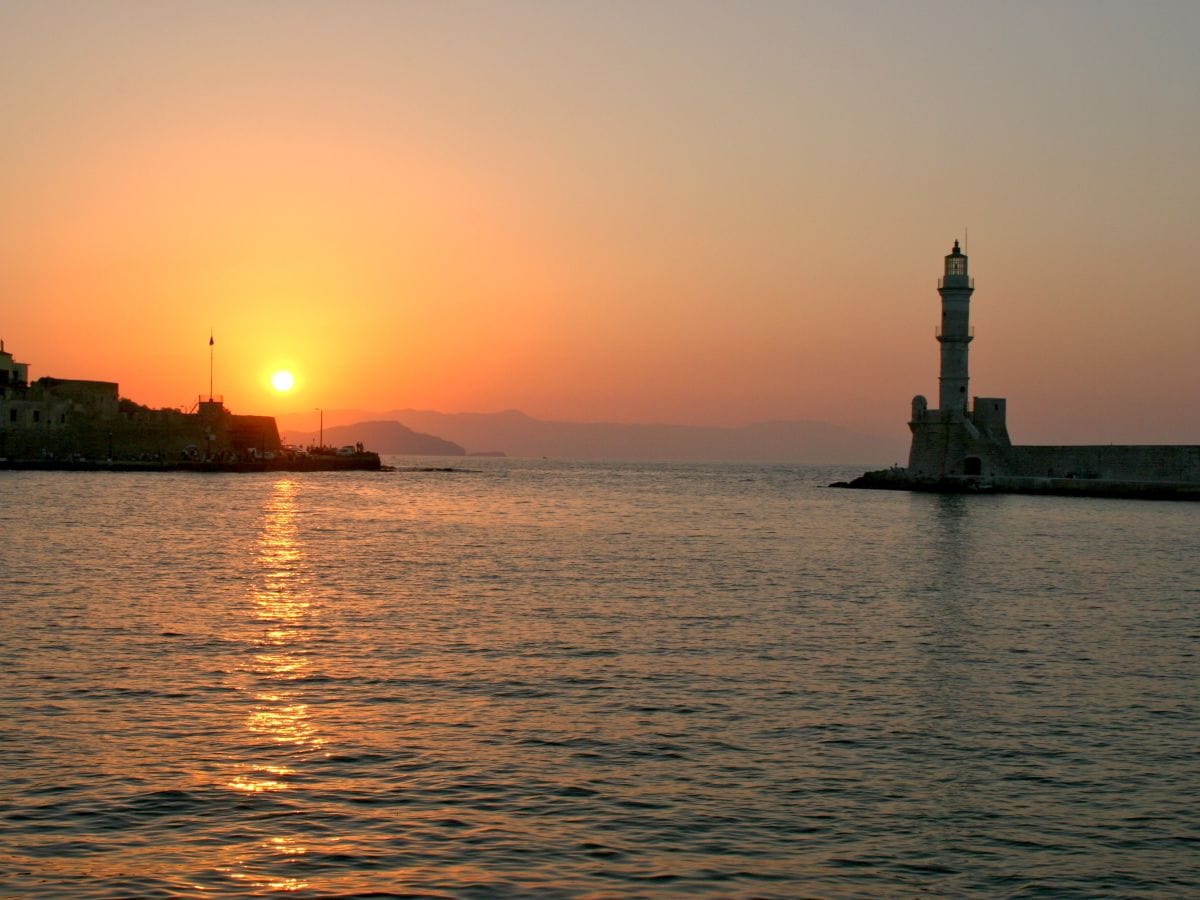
x: 973, y: 465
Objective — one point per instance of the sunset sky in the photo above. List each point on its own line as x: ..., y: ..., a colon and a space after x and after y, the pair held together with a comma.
x: 687, y: 212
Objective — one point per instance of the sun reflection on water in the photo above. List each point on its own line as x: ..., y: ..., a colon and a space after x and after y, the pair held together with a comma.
x: 280, y: 721
x: 264, y: 778
x: 282, y: 606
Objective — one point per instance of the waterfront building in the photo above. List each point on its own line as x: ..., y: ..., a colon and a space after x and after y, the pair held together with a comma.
x: 62, y: 418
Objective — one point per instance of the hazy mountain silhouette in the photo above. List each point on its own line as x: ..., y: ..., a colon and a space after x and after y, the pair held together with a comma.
x: 382, y: 437
x: 517, y: 434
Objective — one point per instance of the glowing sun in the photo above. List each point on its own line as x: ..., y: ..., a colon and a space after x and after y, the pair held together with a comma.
x: 283, y: 381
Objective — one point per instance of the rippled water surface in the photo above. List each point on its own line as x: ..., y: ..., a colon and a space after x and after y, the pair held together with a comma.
x: 612, y: 680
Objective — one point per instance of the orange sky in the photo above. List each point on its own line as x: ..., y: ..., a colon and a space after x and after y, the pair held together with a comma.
x: 687, y: 212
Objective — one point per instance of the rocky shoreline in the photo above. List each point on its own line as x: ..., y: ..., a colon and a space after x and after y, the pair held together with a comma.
x: 365, y: 462
x: 898, y: 479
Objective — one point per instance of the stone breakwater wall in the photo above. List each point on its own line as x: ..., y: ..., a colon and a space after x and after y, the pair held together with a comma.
x: 286, y: 463
x: 1097, y: 487
x: 141, y: 434
x: 899, y: 480
x: 1111, y: 462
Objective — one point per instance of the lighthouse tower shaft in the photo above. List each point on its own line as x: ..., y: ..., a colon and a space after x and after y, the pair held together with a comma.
x: 954, y: 334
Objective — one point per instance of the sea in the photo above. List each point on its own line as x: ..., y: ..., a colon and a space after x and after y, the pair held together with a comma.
x: 512, y: 678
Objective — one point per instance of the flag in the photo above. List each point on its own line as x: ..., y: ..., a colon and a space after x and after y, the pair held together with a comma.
x: 210, y: 340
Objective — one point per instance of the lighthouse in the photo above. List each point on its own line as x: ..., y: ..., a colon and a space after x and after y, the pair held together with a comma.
x: 954, y: 334
x: 966, y: 447
x: 963, y: 436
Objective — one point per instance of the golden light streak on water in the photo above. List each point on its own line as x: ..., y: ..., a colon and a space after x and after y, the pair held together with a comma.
x: 281, y: 605
x: 286, y: 845
x: 285, y: 614
x: 285, y: 725
x: 283, y: 666
x: 254, y: 882
x: 262, y: 778
x: 250, y: 786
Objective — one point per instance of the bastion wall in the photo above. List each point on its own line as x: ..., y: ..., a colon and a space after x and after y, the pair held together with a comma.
x: 1115, y: 462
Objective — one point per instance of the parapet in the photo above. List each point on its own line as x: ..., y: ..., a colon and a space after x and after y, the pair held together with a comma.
x: 990, y: 415
x: 920, y: 406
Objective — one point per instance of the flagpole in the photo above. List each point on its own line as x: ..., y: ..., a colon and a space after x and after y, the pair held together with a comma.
x: 210, y: 365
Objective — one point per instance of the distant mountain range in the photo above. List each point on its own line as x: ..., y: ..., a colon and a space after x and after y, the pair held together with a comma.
x: 382, y: 437
x: 410, y: 431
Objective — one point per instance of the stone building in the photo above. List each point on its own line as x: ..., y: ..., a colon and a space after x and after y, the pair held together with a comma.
x: 58, y: 418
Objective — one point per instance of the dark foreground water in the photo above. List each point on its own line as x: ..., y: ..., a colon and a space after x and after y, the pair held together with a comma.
x: 570, y: 680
